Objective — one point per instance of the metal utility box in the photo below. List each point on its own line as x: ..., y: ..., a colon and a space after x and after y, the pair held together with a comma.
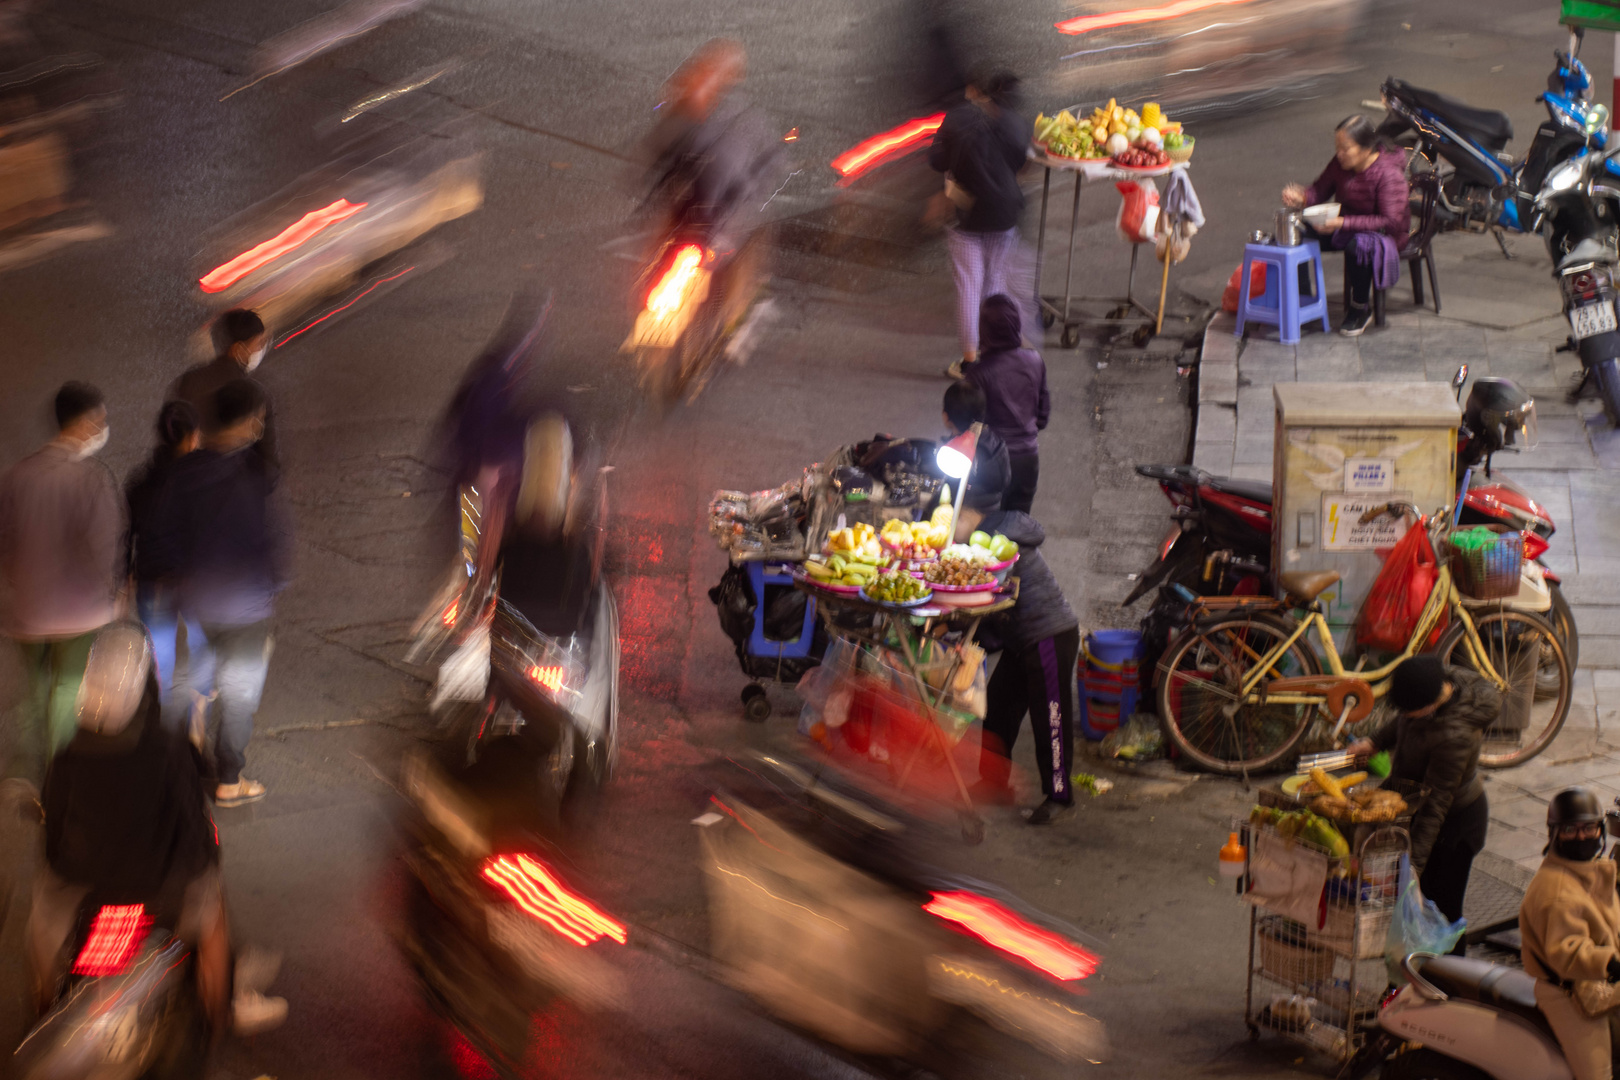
x: 1342, y: 448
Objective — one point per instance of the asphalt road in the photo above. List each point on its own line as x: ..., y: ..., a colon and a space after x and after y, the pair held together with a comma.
x: 554, y: 97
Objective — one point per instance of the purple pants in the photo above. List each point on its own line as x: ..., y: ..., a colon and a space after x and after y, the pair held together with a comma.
x: 1037, y: 681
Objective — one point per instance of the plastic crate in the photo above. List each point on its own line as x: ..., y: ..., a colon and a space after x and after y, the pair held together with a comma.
x: 1490, y: 572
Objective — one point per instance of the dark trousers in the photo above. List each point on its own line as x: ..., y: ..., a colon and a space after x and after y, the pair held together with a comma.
x: 1038, y: 681
x: 1020, y: 493
x: 1357, y: 274
x: 1445, y: 876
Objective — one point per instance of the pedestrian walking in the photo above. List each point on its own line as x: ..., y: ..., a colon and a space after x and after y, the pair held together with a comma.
x: 1035, y: 675
x: 156, y: 600
x: 218, y: 526
x: 980, y: 146
x: 242, y: 341
x: 1435, y: 741
x: 1012, y: 377
x: 60, y: 524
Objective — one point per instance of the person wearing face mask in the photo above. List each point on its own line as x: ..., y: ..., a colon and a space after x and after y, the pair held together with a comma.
x: 223, y: 538
x: 61, y: 520
x: 1369, y: 183
x: 1435, y: 741
x: 1569, y: 924
x: 242, y: 341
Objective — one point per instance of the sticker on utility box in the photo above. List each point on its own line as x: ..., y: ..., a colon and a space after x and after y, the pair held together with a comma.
x: 1375, y: 474
x: 1342, y: 529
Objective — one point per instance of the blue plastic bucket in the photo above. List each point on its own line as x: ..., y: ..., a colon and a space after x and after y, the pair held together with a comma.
x: 1114, y: 647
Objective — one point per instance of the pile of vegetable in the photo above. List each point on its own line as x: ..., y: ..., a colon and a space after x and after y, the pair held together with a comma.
x: 895, y: 587
x: 1302, y: 825
x: 1338, y: 798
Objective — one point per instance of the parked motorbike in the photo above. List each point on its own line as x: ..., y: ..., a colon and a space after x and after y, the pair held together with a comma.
x: 822, y: 910
x: 1220, y: 540
x: 128, y: 1008
x: 1576, y: 211
x: 1483, y: 185
x: 493, y: 927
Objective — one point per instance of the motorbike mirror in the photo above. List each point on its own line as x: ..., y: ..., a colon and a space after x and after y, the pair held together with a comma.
x: 1458, y: 379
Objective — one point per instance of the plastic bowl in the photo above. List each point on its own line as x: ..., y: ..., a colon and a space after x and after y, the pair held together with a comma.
x: 1002, y: 569
x: 1316, y: 215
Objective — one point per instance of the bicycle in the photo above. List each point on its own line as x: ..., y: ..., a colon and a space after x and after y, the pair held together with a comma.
x: 1240, y: 687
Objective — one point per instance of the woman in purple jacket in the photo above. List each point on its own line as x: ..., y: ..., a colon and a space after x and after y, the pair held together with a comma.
x: 1369, y: 183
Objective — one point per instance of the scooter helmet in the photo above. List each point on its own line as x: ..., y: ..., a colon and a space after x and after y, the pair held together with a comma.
x: 115, y: 678
x: 1500, y: 414
x: 1574, y: 806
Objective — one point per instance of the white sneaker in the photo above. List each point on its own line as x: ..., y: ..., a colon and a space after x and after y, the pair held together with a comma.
x: 256, y: 969
x: 254, y: 1014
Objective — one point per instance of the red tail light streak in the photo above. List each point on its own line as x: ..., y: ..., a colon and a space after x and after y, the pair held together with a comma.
x: 115, y: 935
x: 1086, y: 23
x: 291, y: 238
x: 995, y: 925
x: 533, y: 888
x: 891, y: 144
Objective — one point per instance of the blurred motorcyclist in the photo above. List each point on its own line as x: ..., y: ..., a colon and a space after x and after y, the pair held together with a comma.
x: 126, y: 821
x: 710, y: 151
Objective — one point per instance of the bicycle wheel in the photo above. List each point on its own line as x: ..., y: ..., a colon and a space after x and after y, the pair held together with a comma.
x: 1198, y: 682
x: 1519, y: 645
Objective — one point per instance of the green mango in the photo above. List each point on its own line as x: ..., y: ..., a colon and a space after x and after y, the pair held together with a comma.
x: 980, y: 539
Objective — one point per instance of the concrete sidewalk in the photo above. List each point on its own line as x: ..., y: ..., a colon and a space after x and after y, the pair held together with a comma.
x: 1501, y: 318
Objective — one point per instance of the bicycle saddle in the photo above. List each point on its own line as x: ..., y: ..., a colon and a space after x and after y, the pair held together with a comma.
x: 1307, y: 585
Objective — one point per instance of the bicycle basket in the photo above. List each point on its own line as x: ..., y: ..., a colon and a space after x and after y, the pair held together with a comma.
x: 1486, y: 561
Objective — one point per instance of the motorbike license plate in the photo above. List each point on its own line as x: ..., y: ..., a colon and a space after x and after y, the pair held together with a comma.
x: 1592, y: 319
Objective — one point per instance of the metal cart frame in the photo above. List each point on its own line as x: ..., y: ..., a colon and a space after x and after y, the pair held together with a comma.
x: 909, y: 626
x: 1348, y: 1003
x: 1125, y: 308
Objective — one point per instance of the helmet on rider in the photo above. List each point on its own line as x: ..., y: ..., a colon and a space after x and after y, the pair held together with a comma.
x: 548, y: 474
x: 1575, y: 825
x: 1500, y: 414
x: 706, y: 76
x: 115, y: 678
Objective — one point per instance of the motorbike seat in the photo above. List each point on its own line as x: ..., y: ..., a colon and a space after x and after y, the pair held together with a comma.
x: 1254, y: 490
x: 1489, y: 127
x: 1307, y: 585
x: 1490, y: 984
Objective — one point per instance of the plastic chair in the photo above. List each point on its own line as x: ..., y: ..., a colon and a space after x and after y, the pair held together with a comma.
x: 1281, y: 305
x: 760, y: 645
x: 1416, y: 252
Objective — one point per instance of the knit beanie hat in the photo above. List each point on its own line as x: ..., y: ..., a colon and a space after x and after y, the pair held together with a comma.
x: 1417, y: 683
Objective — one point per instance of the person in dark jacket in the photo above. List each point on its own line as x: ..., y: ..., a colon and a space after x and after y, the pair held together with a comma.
x: 1035, y: 676
x: 155, y: 600
x: 1435, y: 741
x: 242, y: 340
x: 992, y: 467
x: 1017, y: 403
x: 980, y: 146
x: 1373, y: 195
x: 126, y: 822
x: 220, y: 529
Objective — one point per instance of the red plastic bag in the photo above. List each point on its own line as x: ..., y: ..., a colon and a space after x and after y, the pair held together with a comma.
x: 1257, y: 285
x: 1138, y: 211
x: 1396, y: 601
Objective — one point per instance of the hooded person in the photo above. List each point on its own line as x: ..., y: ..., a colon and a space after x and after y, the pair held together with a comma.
x: 1035, y: 675
x: 1435, y: 741
x: 992, y: 468
x: 1012, y: 378
x: 1569, y: 923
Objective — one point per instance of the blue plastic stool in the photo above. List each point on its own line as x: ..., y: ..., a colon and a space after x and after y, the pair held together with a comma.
x: 1279, y: 305
x: 758, y: 643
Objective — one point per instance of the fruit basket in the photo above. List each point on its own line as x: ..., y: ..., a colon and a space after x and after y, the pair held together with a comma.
x: 1180, y: 154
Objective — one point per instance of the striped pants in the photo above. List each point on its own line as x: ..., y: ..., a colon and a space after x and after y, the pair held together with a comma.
x: 985, y: 264
x: 1037, y: 681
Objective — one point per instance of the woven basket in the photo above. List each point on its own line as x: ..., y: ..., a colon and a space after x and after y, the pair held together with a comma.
x: 1180, y: 153
x: 1490, y: 572
x: 1300, y: 965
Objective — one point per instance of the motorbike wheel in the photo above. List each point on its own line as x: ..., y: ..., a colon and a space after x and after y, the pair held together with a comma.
x: 1607, y: 373
x: 1518, y: 645
x: 1198, y: 681
x: 1563, y: 623
x: 1428, y: 1064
